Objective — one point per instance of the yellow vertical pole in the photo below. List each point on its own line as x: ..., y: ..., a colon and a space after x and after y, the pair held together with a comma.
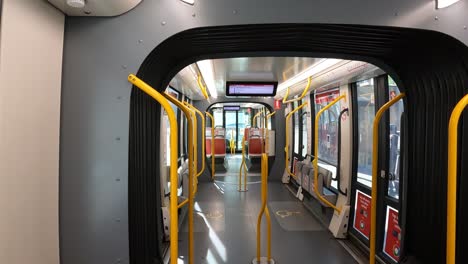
x: 212, y: 145
x: 255, y: 117
x: 174, y: 247
x: 452, y: 180
x: 243, y: 168
x: 202, y: 117
x: 286, y: 148
x: 195, y: 150
x: 375, y: 160
x: 192, y: 169
x: 315, y: 162
x: 264, y: 210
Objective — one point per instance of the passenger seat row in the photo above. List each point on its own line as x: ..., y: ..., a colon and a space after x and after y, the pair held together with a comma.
x: 305, y: 177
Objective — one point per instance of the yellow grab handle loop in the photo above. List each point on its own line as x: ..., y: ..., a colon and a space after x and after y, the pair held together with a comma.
x: 191, y: 134
x: 286, y: 148
x: 304, y: 92
x: 452, y: 180
x: 173, y: 161
x: 315, y: 162
x: 375, y: 160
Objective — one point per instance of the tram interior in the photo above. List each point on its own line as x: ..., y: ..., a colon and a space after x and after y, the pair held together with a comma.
x: 281, y: 123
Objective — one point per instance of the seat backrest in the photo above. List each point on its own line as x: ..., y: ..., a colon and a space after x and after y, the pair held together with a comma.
x: 208, y: 146
x: 247, y: 133
x: 220, y: 146
x: 255, y: 146
x: 326, y: 176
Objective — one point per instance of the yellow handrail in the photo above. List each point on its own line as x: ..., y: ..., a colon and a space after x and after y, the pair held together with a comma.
x: 174, y: 246
x: 202, y: 88
x: 212, y: 145
x: 286, y: 148
x: 315, y: 162
x: 202, y: 117
x: 452, y: 180
x: 306, y: 89
x: 191, y: 167
x: 264, y: 209
x: 375, y: 159
x: 255, y: 117
x: 232, y: 143
x: 243, y: 168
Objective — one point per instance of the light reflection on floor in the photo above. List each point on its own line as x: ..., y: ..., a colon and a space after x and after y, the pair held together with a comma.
x: 215, y: 241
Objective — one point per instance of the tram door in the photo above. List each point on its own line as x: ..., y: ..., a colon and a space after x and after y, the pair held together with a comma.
x: 235, y: 123
x: 368, y: 97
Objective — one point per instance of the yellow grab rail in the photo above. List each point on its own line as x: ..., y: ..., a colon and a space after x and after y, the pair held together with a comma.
x: 202, y: 88
x: 232, y: 143
x: 315, y: 162
x: 306, y: 89
x: 264, y: 209
x: 375, y: 158
x: 255, y: 117
x: 243, y: 168
x: 286, y: 148
x: 191, y: 167
x: 212, y: 145
x: 174, y: 246
x: 452, y: 180
x: 202, y: 117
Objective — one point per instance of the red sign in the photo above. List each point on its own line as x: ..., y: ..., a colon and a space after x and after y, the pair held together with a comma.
x: 392, y: 235
x: 277, y: 104
x: 362, y: 213
x: 326, y: 97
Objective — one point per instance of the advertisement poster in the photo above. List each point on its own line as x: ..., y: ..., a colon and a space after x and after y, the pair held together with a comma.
x: 392, y: 235
x: 362, y: 213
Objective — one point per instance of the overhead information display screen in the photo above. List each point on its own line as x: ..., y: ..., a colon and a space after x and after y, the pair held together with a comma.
x: 251, y: 88
x: 231, y: 108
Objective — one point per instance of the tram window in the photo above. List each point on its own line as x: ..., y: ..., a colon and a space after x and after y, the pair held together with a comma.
x: 365, y: 115
x: 394, y: 133
x: 328, y: 126
x: 304, y: 132
x: 328, y: 130
x: 231, y: 123
x: 218, y: 117
x: 296, y: 129
x: 243, y: 117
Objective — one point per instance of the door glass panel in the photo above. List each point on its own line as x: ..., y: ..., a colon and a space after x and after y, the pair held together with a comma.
x: 305, y: 117
x: 218, y: 117
x: 328, y: 131
x: 394, y: 149
x: 243, y: 117
x: 365, y: 115
x: 296, y: 129
x: 231, y: 126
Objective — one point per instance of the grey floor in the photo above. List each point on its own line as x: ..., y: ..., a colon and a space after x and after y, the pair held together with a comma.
x: 225, y: 228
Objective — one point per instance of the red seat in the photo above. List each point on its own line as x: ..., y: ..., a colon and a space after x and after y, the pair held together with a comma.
x: 255, y: 147
x: 220, y: 147
x: 208, y: 146
x: 220, y: 142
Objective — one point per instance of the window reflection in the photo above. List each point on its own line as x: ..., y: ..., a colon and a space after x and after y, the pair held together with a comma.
x: 365, y: 115
x: 394, y: 140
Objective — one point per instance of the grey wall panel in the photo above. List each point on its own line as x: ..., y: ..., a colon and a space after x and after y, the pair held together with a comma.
x: 100, y: 52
